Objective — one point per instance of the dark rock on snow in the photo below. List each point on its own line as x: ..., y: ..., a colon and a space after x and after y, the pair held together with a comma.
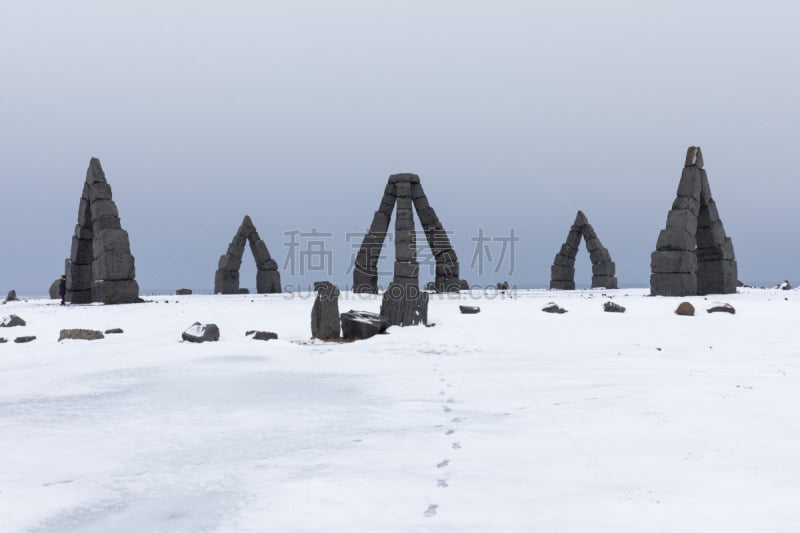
x: 325, y: 313
x: 114, y: 331
x: 198, y: 332
x: 183, y: 292
x: 685, y: 309
x: 469, y: 309
x: 611, y: 307
x: 11, y: 321
x: 20, y: 340
x: 80, y: 334
x: 553, y: 308
x: 722, y: 308
x: 262, y: 335
x: 11, y: 296
x: 362, y: 324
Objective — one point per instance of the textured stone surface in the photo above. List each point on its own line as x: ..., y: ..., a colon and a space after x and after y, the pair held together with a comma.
x: 722, y: 308
x: 11, y: 321
x: 404, y: 304
x: 469, y: 309
x: 226, y: 278
x: 325, y: 312
x: 53, y: 291
x: 685, y: 309
x: 100, y: 248
x: 554, y: 308
x: 404, y: 194
x: 198, y: 332
x: 11, y: 296
x: 362, y: 325
x: 27, y: 338
x: 562, y: 273
x: 80, y: 334
x: 183, y: 292
x: 693, y: 254
x: 611, y: 307
x: 263, y: 335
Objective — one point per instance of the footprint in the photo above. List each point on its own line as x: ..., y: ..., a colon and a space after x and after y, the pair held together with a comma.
x: 442, y: 379
x: 431, y: 510
x: 443, y: 464
x: 446, y: 409
x: 442, y: 483
x: 456, y: 445
x: 441, y: 393
x: 451, y: 400
x: 456, y: 420
x: 449, y: 431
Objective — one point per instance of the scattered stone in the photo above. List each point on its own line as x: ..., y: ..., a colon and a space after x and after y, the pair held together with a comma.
x: 80, y: 334
x: 325, y: 313
x: 685, y: 309
x: 11, y: 296
x: 502, y: 286
x: 693, y: 254
x: 53, y: 291
x: 3, y: 340
x: 722, y: 308
x: 11, y: 321
x: 114, y: 331
x: 226, y: 279
x: 20, y: 340
x: 469, y: 309
x: 562, y: 273
x: 611, y: 307
x: 463, y: 285
x: 262, y: 335
x: 362, y: 325
x: 183, y: 292
x: 100, y: 267
x: 198, y: 332
x: 786, y: 286
x: 553, y: 308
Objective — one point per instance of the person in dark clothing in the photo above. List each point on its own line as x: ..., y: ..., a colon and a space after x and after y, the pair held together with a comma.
x: 62, y: 288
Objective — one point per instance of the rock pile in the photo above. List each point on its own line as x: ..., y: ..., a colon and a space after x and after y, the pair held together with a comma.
x: 693, y: 254
x: 405, y: 192
x: 226, y: 279
x: 100, y: 267
x: 562, y: 273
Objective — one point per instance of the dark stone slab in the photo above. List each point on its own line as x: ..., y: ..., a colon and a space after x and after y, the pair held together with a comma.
x: 404, y: 305
x: 562, y: 285
x: 560, y: 273
x: 183, y: 292
x: 682, y: 284
x: 80, y: 334
x: 675, y: 239
x: 604, y: 282
x: 325, y: 312
x: 115, y: 292
x: 722, y: 308
x: 469, y: 309
x: 690, y: 183
x: 362, y: 325
x: 110, y: 266
x: 553, y: 308
x: 114, y: 331
x: 611, y: 307
x: 668, y: 262
x: 268, y: 282
x: 21, y: 340
x: 717, y: 277
x: 607, y: 268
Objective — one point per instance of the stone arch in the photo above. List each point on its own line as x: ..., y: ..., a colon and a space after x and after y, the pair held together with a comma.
x: 562, y: 273
x: 226, y: 279
x: 405, y: 192
x: 693, y: 254
x: 100, y: 267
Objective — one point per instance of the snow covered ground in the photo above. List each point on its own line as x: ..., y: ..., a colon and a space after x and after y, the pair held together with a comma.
x: 512, y: 420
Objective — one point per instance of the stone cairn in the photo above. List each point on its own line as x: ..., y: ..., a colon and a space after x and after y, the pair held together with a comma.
x: 562, y: 273
x: 405, y: 191
x: 100, y: 267
x: 693, y: 255
x: 226, y: 279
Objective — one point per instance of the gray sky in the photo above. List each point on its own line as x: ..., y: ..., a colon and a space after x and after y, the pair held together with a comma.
x: 514, y: 114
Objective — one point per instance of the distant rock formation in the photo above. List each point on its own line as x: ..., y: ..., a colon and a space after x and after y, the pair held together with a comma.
x: 562, y: 273
x: 100, y: 267
x: 405, y: 192
x: 693, y: 254
x: 226, y: 279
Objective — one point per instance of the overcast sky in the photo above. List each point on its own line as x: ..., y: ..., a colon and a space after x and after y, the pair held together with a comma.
x: 514, y: 114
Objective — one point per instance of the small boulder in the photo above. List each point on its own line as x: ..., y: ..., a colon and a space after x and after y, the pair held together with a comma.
x: 80, y: 334
x: 183, y: 292
x: 325, y: 312
x: 11, y: 321
x: 262, y: 335
x: 198, y: 332
x: 786, y: 286
x: 114, y: 331
x: 3, y: 341
x: 11, y: 296
x: 469, y: 309
x: 502, y: 286
x: 553, y: 308
x: 463, y: 285
x: 611, y: 307
x: 362, y: 324
x: 20, y: 340
x: 685, y: 309
x: 54, y: 290
x: 722, y: 308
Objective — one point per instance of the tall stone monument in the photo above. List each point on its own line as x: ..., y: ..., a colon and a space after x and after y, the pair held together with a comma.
x: 100, y: 267
x: 693, y: 254
x: 405, y: 192
x: 562, y: 273
x: 226, y: 279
